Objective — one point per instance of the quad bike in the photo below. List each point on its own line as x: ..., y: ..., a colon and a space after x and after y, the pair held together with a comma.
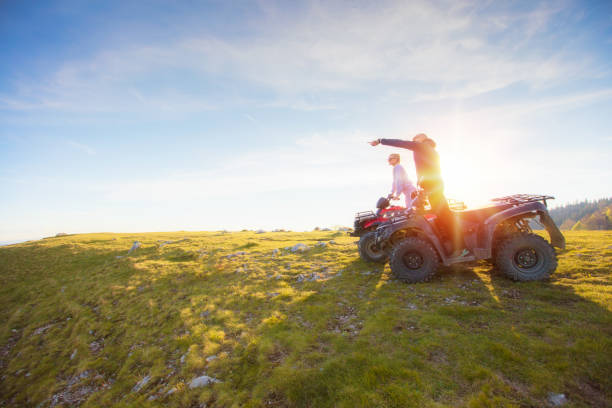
x: 500, y: 232
x: 365, y: 225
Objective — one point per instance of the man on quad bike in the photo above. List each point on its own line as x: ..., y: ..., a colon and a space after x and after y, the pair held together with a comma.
x: 401, y: 182
x: 427, y: 163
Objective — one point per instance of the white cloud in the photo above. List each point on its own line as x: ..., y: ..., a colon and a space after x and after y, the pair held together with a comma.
x: 81, y: 147
x: 324, y: 48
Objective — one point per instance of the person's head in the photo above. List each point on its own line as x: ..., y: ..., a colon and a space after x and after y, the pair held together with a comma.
x: 394, y: 159
x: 430, y: 143
x: 423, y: 138
x: 420, y: 138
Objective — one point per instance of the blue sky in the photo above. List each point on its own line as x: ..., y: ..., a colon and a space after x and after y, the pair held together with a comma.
x: 159, y: 115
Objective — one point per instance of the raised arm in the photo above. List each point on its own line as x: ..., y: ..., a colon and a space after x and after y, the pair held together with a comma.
x: 404, y: 144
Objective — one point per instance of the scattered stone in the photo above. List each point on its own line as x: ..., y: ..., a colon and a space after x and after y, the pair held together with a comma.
x: 344, y: 229
x: 260, y: 231
x: 332, y: 242
x: 411, y: 306
x: 28, y: 374
x: 239, y: 253
x: 96, y: 346
x: 326, y: 229
x: 299, y: 248
x: 140, y: 384
x: 321, y: 244
x: 134, y: 247
x: 211, y: 358
x: 183, y: 357
x: 171, y: 391
x: 76, y: 393
x: 74, y: 354
x: 152, y: 398
x: 204, y: 314
x: 313, y: 277
x: 43, y: 329
x: 273, y: 294
x: 275, y: 252
x: 118, y: 257
x: 557, y: 399
x: 61, y: 234
x: 202, y: 381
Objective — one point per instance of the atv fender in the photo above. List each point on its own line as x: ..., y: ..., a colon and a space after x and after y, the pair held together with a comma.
x: 416, y: 225
x: 556, y: 237
x: 533, y: 209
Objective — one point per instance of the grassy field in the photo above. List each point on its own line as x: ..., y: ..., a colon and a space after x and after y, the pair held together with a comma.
x: 84, y: 323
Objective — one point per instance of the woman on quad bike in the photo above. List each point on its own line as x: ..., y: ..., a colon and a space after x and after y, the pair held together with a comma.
x: 427, y: 163
x: 401, y: 182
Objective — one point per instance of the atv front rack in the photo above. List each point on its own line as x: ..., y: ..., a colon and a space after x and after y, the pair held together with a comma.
x: 360, y: 216
x: 522, y: 198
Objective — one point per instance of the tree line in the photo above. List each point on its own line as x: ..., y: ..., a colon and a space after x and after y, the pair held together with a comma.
x: 584, y: 215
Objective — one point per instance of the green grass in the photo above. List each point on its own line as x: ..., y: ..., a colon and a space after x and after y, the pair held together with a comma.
x: 82, y: 326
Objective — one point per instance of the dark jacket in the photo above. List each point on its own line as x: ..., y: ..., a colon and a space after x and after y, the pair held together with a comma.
x: 426, y: 161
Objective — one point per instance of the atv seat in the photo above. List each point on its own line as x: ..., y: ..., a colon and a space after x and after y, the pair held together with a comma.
x: 480, y: 214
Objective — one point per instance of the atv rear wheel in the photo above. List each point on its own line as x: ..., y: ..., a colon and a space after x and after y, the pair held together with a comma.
x: 369, y: 251
x: 414, y: 260
x: 526, y: 257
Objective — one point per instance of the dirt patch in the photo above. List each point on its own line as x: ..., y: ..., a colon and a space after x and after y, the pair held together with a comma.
x: 346, y: 322
x: 275, y: 399
x: 78, y: 389
x: 277, y: 355
x: 5, y: 349
x: 437, y: 356
x: 589, y: 392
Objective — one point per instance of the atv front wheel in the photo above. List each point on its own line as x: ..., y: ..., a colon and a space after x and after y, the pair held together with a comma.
x: 369, y: 251
x: 526, y: 257
x: 414, y: 260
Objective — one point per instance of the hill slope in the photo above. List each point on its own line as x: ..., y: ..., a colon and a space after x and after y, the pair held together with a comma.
x: 585, y: 215
x: 85, y: 323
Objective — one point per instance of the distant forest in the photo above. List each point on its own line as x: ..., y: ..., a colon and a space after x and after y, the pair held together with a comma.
x: 585, y: 215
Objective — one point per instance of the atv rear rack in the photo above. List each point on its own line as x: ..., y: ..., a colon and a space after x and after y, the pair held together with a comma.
x: 522, y: 199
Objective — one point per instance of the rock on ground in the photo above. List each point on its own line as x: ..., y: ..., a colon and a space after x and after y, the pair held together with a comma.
x: 556, y: 400
x: 239, y: 253
x: 299, y: 248
x: 134, y: 247
x: 202, y: 381
x: 140, y: 384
